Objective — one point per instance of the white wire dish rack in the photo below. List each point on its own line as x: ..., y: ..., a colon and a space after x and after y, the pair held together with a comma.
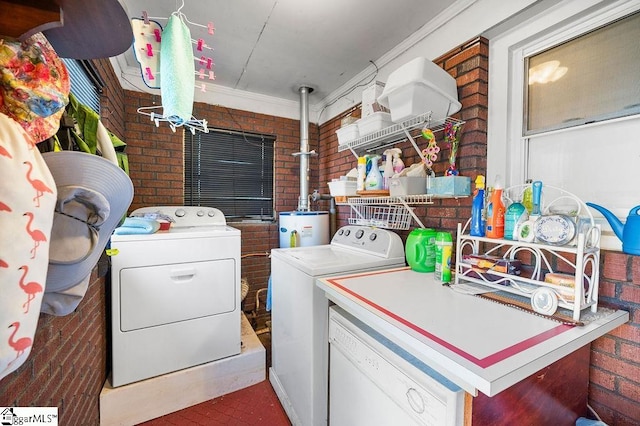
x: 579, y: 258
x: 386, y: 212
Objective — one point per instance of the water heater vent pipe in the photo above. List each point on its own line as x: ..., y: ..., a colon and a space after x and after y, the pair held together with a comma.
x: 303, y: 198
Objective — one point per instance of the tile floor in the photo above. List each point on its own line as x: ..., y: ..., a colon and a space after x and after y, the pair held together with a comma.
x: 255, y: 405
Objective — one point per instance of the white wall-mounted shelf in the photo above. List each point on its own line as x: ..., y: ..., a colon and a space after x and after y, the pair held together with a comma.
x: 392, y: 212
x: 395, y: 133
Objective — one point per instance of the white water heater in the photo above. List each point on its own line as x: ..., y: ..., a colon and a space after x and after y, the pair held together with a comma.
x: 303, y: 229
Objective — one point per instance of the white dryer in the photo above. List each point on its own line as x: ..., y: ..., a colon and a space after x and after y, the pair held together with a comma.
x: 175, y: 295
x: 299, y: 313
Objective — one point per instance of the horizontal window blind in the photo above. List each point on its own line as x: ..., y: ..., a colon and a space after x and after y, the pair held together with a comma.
x: 86, y: 84
x: 230, y: 171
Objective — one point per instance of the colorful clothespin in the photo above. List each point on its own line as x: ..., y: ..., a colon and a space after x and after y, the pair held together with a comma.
x: 201, y: 73
x: 145, y: 17
x: 200, y: 44
x: 209, y: 63
x: 149, y: 49
x: 212, y: 76
x: 203, y: 88
x: 210, y: 28
x: 149, y: 73
x: 203, y: 60
x: 156, y: 32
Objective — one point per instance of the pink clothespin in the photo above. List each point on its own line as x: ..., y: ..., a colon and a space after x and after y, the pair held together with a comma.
x: 149, y: 49
x: 145, y: 17
x: 212, y: 76
x: 209, y: 63
x: 156, y: 32
x: 201, y: 73
x: 149, y: 73
x: 200, y: 44
x: 203, y: 88
x: 210, y: 28
x: 203, y: 60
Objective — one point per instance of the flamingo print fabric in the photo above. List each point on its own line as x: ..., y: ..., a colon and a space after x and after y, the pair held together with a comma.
x: 27, y: 200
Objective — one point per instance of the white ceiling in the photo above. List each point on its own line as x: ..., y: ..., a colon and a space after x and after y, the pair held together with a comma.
x: 272, y: 47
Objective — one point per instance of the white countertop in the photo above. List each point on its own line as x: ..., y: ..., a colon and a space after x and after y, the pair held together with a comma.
x: 478, y: 344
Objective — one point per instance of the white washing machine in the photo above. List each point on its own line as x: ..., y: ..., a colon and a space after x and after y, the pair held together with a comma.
x: 175, y: 294
x: 299, y: 313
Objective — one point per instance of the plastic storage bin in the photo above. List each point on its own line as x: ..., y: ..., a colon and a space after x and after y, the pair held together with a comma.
x: 370, y: 97
x: 407, y: 185
x: 450, y: 185
x: 347, y: 133
x: 417, y: 87
x: 342, y: 189
x: 374, y: 122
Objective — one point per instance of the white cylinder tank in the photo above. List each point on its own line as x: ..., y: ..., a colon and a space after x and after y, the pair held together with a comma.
x: 303, y: 229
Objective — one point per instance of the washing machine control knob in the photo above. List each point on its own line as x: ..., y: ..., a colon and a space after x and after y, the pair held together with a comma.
x: 347, y: 232
x: 180, y: 212
x: 373, y: 236
x: 359, y: 234
x: 211, y: 213
x: 200, y: 213
x: 341, y: 231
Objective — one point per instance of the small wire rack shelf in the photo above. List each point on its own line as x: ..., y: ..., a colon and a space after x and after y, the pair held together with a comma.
x: 387, y: 217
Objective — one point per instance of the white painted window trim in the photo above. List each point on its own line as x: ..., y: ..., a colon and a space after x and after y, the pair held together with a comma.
x: 506, y: 153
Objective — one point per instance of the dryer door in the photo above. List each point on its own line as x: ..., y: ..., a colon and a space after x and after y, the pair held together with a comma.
x: 164, y: 294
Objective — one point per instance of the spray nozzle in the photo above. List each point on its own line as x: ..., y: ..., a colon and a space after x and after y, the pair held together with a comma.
x: 498, y: 182
x: 480, y: 182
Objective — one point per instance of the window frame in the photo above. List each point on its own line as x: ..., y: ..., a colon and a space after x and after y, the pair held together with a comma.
x: 507, y: 146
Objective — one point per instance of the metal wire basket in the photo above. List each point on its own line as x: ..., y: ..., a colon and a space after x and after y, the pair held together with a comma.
x: 388, y: 217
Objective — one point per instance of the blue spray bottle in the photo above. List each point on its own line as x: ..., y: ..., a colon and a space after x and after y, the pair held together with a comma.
x: 477, y: 209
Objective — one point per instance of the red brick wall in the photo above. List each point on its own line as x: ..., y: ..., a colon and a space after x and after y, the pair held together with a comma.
x: 68, y: 363
x: 614, y: 388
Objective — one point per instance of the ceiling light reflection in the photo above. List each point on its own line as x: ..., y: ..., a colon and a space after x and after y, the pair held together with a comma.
x: 546, y: 72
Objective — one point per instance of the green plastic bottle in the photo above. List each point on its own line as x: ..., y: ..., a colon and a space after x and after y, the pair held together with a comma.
x: 527, y: 197
x: 420, y: 250
x: 444, y: 246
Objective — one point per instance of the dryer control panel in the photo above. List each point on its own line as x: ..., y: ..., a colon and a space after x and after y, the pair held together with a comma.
x: 184, y: 216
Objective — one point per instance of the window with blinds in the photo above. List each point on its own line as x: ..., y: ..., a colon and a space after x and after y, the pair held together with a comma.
x: 231, y: 171
x: 86, y: 84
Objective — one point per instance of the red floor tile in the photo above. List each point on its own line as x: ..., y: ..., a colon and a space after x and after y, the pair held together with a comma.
x: 255, y: 405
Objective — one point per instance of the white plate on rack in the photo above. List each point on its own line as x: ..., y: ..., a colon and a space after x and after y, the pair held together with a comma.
x: 554, y: 229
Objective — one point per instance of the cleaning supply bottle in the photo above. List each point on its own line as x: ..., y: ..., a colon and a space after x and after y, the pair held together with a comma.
x: 388, y: 168
x: 536, y: 211
x: 495, y: 214
x: 374, y: 178
x: 420, y: 250
x: 362, y: 173
x: 444, y: 248
x: 398, y: 164
x: 516, y: 214
x: 487, y: 205
x: 527, y: 197
x: 477, y: 210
